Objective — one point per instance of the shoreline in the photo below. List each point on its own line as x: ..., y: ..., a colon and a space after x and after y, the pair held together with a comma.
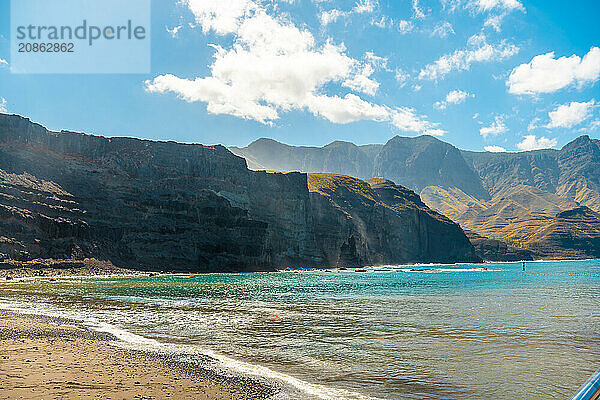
x: 88, y: 268
x: 45, y: 357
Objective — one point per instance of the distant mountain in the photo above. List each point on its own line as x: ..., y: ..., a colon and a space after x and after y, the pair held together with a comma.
x: 498, y: 250
x: 579, y: 178
x: 411, y: 162
x: 337, y: 157
x: 511, y: 197
x: 572, y: 172
x: 426, y: 161
x: 573, y: 233
x: 527, y: 217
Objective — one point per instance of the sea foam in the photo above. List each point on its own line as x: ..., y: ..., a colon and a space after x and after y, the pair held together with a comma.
x: 292, y: 388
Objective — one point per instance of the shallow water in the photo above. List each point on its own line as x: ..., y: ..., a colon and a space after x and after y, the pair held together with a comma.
x: 451, y: 333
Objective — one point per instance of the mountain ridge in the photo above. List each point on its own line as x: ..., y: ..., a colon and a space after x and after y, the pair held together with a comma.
x: 180, y: 207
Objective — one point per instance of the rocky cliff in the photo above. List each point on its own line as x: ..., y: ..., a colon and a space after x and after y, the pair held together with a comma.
x: 374, y: 221
x: 152, y: 205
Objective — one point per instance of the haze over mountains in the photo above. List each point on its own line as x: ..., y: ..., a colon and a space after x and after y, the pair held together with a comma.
x: 544, y: 201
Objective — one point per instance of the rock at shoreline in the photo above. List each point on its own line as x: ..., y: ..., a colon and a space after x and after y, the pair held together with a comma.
x: 10, y: 269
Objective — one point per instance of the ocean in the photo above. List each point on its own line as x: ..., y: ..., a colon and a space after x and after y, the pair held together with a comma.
x: 395, y: 332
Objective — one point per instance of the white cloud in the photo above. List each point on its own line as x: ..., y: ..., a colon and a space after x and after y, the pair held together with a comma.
x: 417, y: 11
x: 3, y: 105
x: 365, y: 6
x: 594, y: 125
x: 457, y: 96
x: 377, y: 61
x: 496, y: 10
x: 361, y: 7
x: 405, y: 26
x: 531, y: 142
x: 569, y: 115
x: 175, y: 31
x: 495, y: 149
x: 509, y: 5
x: 451, y: 5
x: 383, y: 22
x: 221, y: 16
x: 330, y: 16
x: 496, y: 128
x: 534, y: 124
x: 453, y: 97
x: 546, y: 74
x: 443, y: 29
x: 361, y: 81
x: 480, y: 6
x: 402, y: 77
x: 478, y: 50
x: 477, y: 40
x: 435, y: 132
x: 494, y: 21
x: 407, y: 119
x: 272, y: 66
x: 343, y: 110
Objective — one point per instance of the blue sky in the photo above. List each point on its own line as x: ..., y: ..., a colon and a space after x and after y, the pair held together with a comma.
x: 480, y: 74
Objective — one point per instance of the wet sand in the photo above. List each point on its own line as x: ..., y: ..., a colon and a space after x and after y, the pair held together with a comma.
x: 46, y: 359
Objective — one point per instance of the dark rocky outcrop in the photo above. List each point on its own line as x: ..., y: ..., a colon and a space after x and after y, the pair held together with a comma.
x: 155, y: 205
x: 374, y: 221
x: 146, y: 204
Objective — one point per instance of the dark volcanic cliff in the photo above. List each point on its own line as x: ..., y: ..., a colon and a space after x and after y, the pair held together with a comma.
x: 154, y: 205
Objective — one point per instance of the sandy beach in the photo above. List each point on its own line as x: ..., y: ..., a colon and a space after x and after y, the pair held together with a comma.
x: 51, y: 359
x: 13, y: 269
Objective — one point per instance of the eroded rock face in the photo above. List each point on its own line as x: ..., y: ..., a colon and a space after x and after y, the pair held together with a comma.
x: 374, y: 222
x: 170, y: 206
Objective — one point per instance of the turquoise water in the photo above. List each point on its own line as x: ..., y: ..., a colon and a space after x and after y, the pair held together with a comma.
x: 454, y: 332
